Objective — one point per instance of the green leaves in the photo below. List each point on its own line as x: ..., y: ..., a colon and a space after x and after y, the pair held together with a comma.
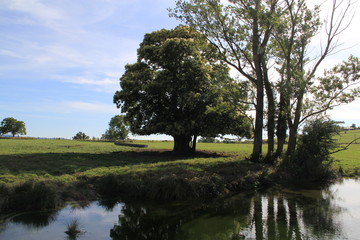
x: 13, y: 126
x: 118, y: 129
x: 338, y: 85
x: 178, y: 76
x: 81, y: 136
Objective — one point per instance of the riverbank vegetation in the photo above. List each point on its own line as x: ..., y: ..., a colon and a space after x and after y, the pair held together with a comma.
x: 37, y: 174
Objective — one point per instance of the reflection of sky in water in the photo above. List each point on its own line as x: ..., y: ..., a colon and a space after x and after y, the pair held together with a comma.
x: 348, y: 197
x: 93, y: 219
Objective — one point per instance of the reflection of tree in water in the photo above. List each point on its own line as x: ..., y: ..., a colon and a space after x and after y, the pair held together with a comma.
x: 138, y: 222
x: 323, y: 218
x: 154, y: 222
x: 293, y: 216
x: 273, y: 215
x: 36, y: 220
x: 108, y: 203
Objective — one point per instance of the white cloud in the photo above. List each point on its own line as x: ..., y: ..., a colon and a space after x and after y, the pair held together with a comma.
x: 87, y: 81
x: 34, y: 8
x: 91, y: 107
x: 47, y: 106
x: 9, y: 53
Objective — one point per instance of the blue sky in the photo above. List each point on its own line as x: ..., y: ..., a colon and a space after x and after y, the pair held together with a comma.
x: 60, y: 61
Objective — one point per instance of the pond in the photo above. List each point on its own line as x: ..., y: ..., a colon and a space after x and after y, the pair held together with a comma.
x: 329, y: 213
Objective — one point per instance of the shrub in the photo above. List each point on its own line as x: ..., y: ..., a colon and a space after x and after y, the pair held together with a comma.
x: 312, y: 158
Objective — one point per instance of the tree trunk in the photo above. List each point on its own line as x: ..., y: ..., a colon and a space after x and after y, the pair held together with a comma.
x: 194, y: 144
x: 281, y: 125
x: 293, y: 127
x: 271, y: 121
x: 292, y: 140
x: 257, y: 57
x: 257, y: 149
x: 182, y: 144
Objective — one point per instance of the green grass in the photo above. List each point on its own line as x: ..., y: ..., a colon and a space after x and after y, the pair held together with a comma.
x: 348, y: 136
x: 24, y: 159
x: 349, y: 160
x: 68, y: 169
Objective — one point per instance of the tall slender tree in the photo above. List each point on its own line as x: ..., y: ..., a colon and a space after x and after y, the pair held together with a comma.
x: 241, y: 33
x: 298, y: 87
x: 258, y: 37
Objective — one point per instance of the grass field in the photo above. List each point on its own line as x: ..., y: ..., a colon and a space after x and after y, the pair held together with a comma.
x: 27, y: 159
x: 70, y: 166
x: 71, y: 170
x: 30, y: 158
x: 348, y: 136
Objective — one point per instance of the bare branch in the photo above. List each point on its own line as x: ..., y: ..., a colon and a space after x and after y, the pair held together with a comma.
x: 346, y: 147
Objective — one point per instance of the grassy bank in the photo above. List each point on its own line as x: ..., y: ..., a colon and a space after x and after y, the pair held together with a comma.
x: 45, y: 173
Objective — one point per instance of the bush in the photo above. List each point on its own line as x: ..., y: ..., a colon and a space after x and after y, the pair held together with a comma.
x: 81, y: 136
x: 312, y: 158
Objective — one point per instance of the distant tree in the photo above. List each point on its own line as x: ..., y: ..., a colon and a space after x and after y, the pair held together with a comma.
x: 176, y: 87
x: 353, y: 126
x: 81, y: 136
x: 13, y: 126
x: 118, y: 129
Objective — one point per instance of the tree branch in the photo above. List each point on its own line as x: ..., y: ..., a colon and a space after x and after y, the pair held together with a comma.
x: 346, y: 147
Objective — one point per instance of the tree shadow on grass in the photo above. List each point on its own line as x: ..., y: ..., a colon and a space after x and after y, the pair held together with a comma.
x: 69, y: 163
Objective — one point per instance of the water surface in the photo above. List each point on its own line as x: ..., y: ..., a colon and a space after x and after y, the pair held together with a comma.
x: 328, y: 213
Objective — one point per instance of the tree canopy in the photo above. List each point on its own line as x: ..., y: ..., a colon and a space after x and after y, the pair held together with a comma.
x: 81, y: 136
x: 13, y: 126
x: 177, y: 87
x: 118, y: 129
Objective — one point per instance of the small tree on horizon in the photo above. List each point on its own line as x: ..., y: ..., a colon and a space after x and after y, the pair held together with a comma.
x: 118, y: 129
x: 13, y: 126
x: 81, y: 136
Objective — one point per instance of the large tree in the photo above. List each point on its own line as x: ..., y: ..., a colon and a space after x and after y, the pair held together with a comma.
x: 176, y: 87
x: 13, y: 126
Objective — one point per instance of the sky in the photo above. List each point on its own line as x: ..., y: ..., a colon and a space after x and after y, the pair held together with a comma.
x: 60, y: 61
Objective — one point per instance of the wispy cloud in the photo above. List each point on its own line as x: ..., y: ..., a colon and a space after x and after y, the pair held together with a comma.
x: 91, y: 107
x: 34, y: 8
x: 86, y: 81
x: 57, y: 35
x: 62, y: 60
x: 60, y: 107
